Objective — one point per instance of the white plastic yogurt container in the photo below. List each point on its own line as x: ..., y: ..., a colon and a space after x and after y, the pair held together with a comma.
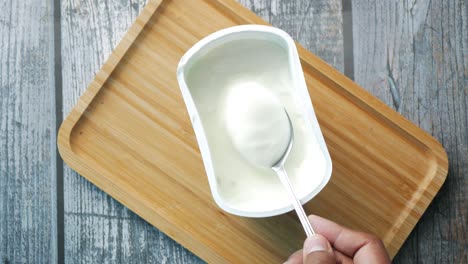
x: 254, y: 56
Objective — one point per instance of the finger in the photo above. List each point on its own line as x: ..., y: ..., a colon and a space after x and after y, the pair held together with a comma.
x: 295, y: 258
x: 344, y: 240
x: 372, y: 252
x: 342, y: 258
x: 349, y: 241
x: 318, y: 250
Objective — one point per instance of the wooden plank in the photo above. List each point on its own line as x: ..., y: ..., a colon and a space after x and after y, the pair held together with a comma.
x: 413, y: 56
x: 317, y: 25
x: 95, y: 224
x: 27, y: 133
x: 98, y: 228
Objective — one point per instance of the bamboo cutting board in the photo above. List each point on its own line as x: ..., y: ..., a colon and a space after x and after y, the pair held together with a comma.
x: 131, y: 136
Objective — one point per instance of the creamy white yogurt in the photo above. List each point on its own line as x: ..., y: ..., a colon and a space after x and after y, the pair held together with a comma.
x: 211, y: 78
x: 257, y: 123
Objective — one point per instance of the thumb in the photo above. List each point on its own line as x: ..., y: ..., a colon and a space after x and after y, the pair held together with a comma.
x: 317, y: 249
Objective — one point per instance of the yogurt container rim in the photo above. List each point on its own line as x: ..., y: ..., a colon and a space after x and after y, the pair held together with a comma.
x: 236, y: 33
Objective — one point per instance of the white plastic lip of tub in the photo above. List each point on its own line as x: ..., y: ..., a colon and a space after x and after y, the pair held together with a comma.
x: 242, y: 32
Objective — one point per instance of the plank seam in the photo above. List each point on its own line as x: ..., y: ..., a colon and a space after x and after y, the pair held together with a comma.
x: 348, y: 49
x: 58, y: 121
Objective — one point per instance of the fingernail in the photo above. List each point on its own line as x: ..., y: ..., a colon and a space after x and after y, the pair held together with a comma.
x: 316, y: 243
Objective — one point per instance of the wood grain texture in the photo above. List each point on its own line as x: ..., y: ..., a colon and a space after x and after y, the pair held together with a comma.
x: 413, y: 56
x: 157, y: 165
x: 27, y: 133
x: 98, y: 228
x: 93, y: 220
x: 317, y: 25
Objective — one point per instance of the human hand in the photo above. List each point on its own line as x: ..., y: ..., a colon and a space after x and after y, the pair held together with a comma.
x: 336, y: 244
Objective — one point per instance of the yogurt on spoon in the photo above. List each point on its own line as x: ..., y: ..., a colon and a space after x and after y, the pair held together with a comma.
x: 257, y: 124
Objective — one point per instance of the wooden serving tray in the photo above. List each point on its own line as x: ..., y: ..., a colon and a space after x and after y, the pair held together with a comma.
x: 130, y: 135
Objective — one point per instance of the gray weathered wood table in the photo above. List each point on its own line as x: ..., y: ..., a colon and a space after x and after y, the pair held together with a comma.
x: 411, y: 54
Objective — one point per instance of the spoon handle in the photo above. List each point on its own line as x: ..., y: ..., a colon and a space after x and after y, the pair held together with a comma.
x: 283, y: 176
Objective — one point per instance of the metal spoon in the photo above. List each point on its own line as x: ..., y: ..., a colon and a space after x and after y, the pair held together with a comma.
x: 278, y: 167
